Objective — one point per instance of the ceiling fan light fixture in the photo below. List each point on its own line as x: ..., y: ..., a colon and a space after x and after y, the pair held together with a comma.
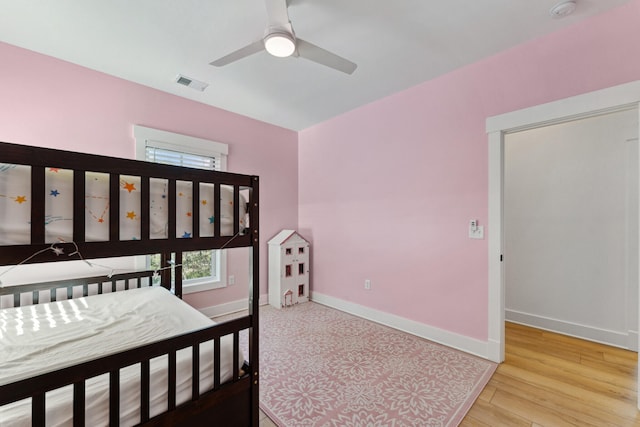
x: 279, y: 44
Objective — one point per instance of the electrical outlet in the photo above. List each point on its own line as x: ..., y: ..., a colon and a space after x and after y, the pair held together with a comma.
x: 232, y: 280
x: 367, y: 284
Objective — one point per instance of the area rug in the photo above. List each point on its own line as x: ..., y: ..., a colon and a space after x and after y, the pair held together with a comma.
x: 324, y: 368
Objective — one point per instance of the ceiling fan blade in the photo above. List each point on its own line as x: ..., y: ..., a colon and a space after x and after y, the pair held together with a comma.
x: 321, y: 56
x: 243, y: 52
x: 277, y: 13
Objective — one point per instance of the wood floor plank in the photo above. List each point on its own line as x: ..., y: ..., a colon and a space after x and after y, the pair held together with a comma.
x: 586, y: 413
x: 548, y: 348
x: 530, y: 410
x: 487, y: 393
x: 628, y: 360
x: 574, y: 390
x: 549, y: 379
x: 625, y: 374
x: 590, y: 378
x: 483, y: 413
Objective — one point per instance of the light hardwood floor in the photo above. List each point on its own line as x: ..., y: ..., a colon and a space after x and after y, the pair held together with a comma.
x: 265, y: 421
x: 549, y: 379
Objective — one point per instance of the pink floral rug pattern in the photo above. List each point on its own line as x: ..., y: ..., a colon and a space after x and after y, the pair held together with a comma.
x: 324, y: 368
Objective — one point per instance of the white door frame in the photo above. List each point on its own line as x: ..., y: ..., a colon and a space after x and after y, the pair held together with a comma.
x: 617, y: 98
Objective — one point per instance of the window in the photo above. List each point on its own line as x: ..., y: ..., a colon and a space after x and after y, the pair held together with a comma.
x: 201, y: 270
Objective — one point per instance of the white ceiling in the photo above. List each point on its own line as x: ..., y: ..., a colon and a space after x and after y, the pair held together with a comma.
x: 396, y: 44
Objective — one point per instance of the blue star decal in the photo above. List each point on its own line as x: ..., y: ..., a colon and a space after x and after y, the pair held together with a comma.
x: 212, y: 219
x: 54, y: 193
x: 186, y: 235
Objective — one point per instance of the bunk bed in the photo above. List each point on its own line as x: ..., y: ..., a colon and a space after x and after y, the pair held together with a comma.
x: 189, y: 373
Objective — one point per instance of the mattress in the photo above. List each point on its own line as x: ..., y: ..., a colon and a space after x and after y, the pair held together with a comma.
x: 15, y: 207
x: 45, y: 337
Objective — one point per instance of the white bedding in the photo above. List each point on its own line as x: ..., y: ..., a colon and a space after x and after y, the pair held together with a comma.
x: 15, y: 207
x: 40, y: 338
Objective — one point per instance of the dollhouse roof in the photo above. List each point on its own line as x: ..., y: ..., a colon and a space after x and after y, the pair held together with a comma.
x: 286, y: 236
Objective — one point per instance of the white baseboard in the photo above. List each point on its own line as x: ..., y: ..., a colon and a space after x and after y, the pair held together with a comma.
x: 628, y: 340
x: 231, y: 307
x: 450, y: 339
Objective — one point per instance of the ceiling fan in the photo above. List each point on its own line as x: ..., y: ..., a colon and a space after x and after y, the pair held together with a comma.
x: 280, y: 40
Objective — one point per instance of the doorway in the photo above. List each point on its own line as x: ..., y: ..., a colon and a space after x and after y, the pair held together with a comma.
x: 617, y: 98
x: 570, y: 204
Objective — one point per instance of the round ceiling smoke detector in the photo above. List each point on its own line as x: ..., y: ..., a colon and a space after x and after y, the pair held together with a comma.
x: 563, y: 9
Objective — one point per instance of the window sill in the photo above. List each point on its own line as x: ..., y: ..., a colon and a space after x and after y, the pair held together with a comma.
x: 201, y: 286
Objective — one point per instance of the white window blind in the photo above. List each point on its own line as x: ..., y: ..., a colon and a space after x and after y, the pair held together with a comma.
x: 171, y: 157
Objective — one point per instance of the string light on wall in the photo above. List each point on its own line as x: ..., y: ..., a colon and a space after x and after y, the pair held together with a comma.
x: 59, y: 250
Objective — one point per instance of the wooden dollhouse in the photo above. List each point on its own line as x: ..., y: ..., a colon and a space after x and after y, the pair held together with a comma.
x: 288, y: 269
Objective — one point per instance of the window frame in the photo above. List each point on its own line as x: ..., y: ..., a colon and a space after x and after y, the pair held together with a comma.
x: 149, y: 137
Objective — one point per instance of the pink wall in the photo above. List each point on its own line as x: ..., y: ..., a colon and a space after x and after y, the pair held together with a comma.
x: 52, y: 103
x: 387, y: 190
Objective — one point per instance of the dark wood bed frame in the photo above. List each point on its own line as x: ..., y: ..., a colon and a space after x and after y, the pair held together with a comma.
x: 234, y: 403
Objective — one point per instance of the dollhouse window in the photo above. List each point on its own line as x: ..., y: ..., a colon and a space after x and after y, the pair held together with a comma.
x: 301, y: 268
x: 300, y: 290
x: 300, y: 250
x: 287, y: 271
x: 287, y: 251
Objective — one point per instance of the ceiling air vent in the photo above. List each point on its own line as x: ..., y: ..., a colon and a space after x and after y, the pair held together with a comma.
x: 192, y: 83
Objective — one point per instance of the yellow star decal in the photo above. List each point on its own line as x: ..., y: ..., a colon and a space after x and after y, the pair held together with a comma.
x: 204, y: 202
x: 21, y: 199
x: 131, y: 215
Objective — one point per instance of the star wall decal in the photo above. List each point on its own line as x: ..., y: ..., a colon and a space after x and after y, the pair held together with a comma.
x: 54, y: 193
x: 129, y: 186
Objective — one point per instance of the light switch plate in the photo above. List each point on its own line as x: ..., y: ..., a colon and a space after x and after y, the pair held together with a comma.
x: 478, y: 233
